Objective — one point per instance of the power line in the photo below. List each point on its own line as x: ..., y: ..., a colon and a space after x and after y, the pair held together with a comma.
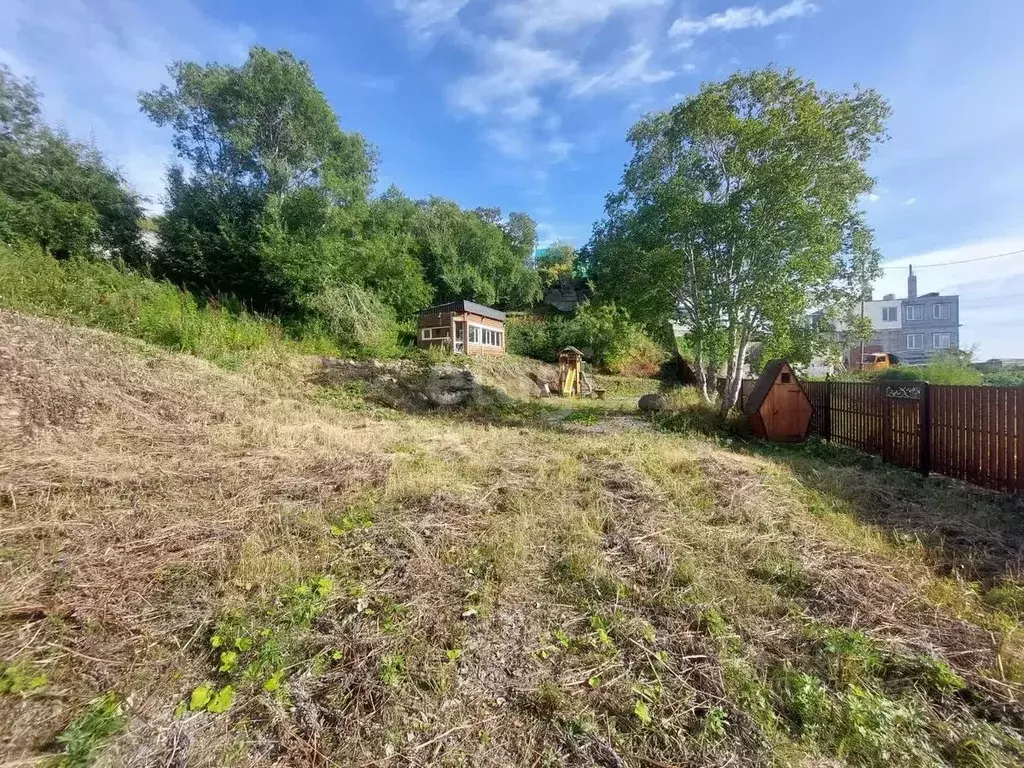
x: 962, y: 261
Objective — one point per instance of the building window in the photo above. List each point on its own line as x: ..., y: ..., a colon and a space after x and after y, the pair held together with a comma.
x: 478, y: 334
x: 940, y: 311
x: 941, y: 340
x: 915, y: 341
x: 889, y: 314
x: 915, y: 312
x: 426, y: 334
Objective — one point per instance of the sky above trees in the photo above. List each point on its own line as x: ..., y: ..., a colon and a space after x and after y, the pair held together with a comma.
x: 525, y: 104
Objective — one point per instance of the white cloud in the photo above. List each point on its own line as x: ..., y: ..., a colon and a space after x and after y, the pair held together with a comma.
x: 872, y: 197
x: 511, y: 74
x: 531, y: 17
x: 425, y: 19
x: 635, y: 70
x: 90, y: 58
x: 744, y: 17
x: 910, y: 201
x: 527, y: 60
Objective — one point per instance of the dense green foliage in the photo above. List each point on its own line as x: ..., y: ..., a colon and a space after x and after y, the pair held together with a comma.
x: 738, y: 214
x: 271, y: 205
x: 55, y: 191
x: 1011, y: 376
x: 604, y: 333
x: 97, y: 294
x: 947, y: 368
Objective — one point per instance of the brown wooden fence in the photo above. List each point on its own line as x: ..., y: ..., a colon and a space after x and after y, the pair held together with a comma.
x: 974, y: 434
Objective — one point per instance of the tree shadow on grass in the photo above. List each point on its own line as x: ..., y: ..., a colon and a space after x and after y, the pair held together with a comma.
x: 972, y: 532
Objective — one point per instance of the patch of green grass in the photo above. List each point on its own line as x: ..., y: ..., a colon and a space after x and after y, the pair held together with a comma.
x: 86, y: 736
x: 21, y: 677
x: 583, y: 416
x: 97, y: 294
x: 253, y: 645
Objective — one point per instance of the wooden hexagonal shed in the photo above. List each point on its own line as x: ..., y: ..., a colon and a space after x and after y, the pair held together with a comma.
x: 778, y: 408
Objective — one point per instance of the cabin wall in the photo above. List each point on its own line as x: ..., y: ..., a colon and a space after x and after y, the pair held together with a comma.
x: 441, y: 323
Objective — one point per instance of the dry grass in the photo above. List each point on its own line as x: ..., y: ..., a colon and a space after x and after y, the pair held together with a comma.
x: 498, y: 592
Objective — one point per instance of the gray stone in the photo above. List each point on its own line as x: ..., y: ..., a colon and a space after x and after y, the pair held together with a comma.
x: 652, y: 403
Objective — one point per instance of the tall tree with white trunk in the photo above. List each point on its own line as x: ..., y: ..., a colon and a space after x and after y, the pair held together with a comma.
x: 738, y: 215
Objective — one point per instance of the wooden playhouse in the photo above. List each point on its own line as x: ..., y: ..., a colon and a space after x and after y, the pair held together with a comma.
x: 778, y: 408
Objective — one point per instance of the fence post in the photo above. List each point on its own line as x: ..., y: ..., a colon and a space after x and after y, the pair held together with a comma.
x: 826, y: 419
x: 926, y: 429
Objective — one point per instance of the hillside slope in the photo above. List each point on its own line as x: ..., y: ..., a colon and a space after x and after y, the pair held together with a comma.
x: 207, y: 568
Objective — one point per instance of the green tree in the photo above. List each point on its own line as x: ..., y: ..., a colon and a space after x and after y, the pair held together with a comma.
x: 738, y: 214
x: 475, y: 255
x: 57, y: 192
x: 557, y: 264
x: 272, y: 181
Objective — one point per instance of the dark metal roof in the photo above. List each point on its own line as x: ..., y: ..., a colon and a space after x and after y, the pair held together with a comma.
x: 765, y: 383
x: 466, y: 306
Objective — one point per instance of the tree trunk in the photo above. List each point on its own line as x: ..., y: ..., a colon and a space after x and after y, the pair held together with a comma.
x: 734, y: 379
x: 701, y: 372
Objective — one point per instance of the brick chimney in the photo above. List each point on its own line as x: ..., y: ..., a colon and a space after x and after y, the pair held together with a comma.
x: 912, y: 284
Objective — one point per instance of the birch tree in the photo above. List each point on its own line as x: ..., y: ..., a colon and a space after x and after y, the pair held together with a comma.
x: 738, y: 214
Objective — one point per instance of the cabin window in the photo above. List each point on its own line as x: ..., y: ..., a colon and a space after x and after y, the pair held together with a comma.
x: 426, y: 334
x: 786, y: 378
x: 479, y: 334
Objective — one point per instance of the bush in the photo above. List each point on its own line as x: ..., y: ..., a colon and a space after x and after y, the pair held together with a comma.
x: 948, y: 368
x: 99, y: 295
x: 604, y: 333
x: 357, y: 319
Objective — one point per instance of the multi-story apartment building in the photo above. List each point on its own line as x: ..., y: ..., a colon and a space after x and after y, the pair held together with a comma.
x: 913, y: 328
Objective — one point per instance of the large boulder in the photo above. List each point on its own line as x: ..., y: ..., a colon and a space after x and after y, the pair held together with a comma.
x: 652, y: 403
x: 408, y: 385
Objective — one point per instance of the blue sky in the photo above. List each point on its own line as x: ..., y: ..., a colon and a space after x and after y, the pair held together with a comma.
x: 524, y: 104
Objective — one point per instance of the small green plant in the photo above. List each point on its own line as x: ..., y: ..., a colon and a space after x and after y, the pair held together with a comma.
x: 548, y: 699
x: 562, y: 638
x: 392, y: 670
x: 358, y: 517
x: 715, y: 721
x: 853, y: 656
x: 453, y: 654
x: 926, y: 673
x: 207, y: 697
x: 642, y: 711
x: 86, y: 735
x: 21, y: 678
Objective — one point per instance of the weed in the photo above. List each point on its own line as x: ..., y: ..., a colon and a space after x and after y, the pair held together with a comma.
x: 852, y: 655
x: 392, y: 669
x: 207, y: 697
x: 925, y: 673
x: 548, y: 699
x: 88, y: 733
x: 583, y: 416
x: 21, y: 678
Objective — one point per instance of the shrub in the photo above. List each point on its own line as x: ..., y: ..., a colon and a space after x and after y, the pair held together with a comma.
x: 99, y: 295
x: 356, y: 318
x: 947, y: 368
x: 604, y: 333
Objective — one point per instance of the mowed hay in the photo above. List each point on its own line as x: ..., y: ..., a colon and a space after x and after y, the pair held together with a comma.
x: 384, y: 589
